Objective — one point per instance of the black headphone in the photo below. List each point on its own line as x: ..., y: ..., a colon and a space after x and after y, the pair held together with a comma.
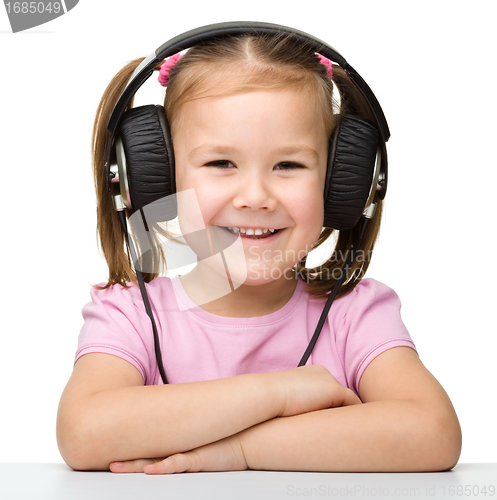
x: 140, y: 160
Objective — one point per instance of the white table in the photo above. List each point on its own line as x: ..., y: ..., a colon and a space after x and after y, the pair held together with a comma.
x: 42, y: 481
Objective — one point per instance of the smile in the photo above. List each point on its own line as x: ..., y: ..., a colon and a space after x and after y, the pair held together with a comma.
x: 254, y: 234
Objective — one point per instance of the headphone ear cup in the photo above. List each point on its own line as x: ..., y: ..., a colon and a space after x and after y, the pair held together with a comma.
x: 351, y: 161
x: 149, y: 155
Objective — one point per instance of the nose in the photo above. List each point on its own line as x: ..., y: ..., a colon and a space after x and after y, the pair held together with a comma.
x: 253, y: 193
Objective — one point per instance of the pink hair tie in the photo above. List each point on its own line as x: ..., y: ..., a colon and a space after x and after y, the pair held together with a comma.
x: 166, y: 67
x: 171, y: 61
x: 327, y: 63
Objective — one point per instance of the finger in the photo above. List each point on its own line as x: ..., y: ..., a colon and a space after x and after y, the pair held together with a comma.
x: 181, y: 462
x: 130, y: 466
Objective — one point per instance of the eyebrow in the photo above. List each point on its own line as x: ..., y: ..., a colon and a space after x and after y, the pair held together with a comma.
x: 213, y: 149
x: 228, y: 150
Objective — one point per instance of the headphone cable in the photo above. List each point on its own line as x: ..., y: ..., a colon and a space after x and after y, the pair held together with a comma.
x: 319, y: 327
x: 158, y: 354
x: 333, y: 293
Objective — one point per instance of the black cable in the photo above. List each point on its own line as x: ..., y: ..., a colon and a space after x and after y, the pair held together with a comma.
x: 333, y: 293
x: 319, y: 327
x: 158, y: 354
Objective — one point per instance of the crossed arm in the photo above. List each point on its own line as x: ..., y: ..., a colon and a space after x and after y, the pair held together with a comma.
x: 406, y: 422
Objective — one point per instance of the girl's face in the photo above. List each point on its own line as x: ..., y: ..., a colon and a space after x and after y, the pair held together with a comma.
x: 256, y: 160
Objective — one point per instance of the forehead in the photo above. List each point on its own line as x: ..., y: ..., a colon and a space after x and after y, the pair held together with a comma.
x: 287, y: 114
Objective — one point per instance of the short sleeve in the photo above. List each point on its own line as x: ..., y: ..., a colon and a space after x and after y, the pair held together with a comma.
x: 371, y: 325
x: 113, y: 324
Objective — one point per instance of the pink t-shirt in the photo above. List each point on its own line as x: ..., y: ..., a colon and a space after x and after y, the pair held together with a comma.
x: 197, y: 345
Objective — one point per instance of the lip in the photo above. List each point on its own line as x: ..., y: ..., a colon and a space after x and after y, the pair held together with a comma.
x: 257, y: 242
x: 251, y: 227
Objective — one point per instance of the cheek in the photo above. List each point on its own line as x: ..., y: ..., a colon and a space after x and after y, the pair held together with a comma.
x: 205, y: 190
x: 209, y: 198
x: 182, y: 179
x: 311, y: 224
x: 313, y: 209
x: 307, y: 205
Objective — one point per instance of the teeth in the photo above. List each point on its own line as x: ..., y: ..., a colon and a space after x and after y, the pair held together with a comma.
x: 250, y: 231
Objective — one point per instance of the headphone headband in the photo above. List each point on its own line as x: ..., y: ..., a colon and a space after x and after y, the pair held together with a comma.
x: 222, y: 30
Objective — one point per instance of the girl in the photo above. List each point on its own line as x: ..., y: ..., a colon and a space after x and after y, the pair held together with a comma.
x: 250, y: 117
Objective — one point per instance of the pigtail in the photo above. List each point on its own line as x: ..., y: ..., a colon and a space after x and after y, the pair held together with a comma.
x: 321, y: 279
x: 109, y: 232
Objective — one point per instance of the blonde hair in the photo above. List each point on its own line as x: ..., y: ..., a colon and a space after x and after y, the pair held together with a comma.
x: 224, y: 67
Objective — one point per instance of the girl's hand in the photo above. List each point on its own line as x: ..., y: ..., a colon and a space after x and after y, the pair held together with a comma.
x: 223, y: 455
x: 312, y: 388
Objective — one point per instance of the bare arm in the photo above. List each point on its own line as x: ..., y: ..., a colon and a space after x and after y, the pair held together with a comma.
x: 407, y: 423
x: 107, y: 414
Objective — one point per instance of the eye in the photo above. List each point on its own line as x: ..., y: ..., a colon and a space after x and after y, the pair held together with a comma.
x: 224, y: 164
x: 221, y: 164
x: 288, y: 165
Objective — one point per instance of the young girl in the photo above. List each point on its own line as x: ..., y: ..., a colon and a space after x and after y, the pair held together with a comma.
x: 253, y: 118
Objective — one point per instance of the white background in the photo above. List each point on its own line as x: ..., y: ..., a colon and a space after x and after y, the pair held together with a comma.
x: 432, y: 66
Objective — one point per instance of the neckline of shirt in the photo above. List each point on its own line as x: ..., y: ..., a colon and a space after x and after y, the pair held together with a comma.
x: 189, y: 306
